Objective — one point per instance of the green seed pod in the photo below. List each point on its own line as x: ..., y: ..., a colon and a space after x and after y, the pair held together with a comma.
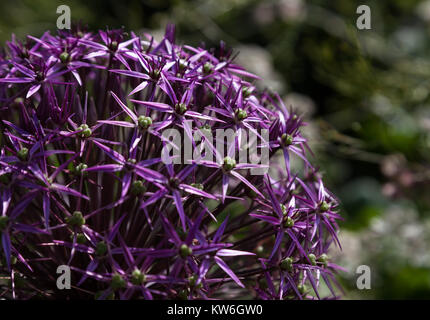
x: 101, y: 248
x: 117, y: 282
x: 192, y: 280
x: 79, y: 169
x: 23, y: 154
x: 312, y: 258
x: 287, y: 139
x: 185, y: 251
x: 182, y: 64
x: 137, y: 277
x: 287, y: 264
x: 197, y: 186
x: 180, y: 108
x: 137, y: 188
x: 80, y: 238
x: 85, y: 131
x: 323, y: 259
x: 64, y: 57
x: 241, y: 114
x: 302, y: 288
x: 76, y: 220
x: 284, y: 209
x: 131, y: 161
x: 229, y: 164
x: 144, y: 122
x: 288, y: 222
x: 206, y: 130
x: 246, y: 92
x: 114, y: 45
x: 324, y: 206
x: 207, y: 68
x: 17, y: 102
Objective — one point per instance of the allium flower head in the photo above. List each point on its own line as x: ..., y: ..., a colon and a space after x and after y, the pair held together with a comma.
x: 83, y: 180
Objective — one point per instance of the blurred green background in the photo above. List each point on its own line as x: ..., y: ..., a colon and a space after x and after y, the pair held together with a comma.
x: 365, y: 94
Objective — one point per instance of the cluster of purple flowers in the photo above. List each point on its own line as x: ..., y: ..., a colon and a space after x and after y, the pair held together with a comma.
x: 82, y: 183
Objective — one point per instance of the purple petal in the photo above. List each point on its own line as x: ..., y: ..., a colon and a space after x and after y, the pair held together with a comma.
x: 111, y: 153
x: 154, y: 105
x: 63, y: 189
x: 33, y: 89
x: 124, y: 107
x: 106, y: 168
x: 233, y: 253
x: 249, y: 184
x: 227, y: 270
x: 179, y: 207
x: 196, y: 191
x: 6, y: 247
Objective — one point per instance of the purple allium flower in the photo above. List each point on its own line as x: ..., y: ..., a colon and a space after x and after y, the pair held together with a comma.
x: 83, y: 182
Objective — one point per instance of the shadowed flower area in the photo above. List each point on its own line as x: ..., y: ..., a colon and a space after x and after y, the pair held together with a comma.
x: 83, y: 183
